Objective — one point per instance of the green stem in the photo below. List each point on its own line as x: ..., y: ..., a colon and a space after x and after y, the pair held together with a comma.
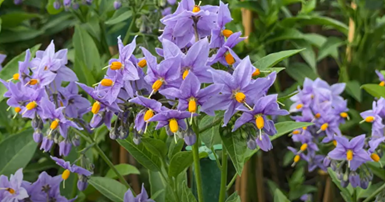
x: 105, y: 158
x: 375, y: 193
x: 128, y: 34
x: 222, y: 194
x: 231, y: 182
x: 198, y: 177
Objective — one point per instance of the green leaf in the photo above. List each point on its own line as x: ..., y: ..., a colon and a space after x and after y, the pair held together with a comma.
x: 211, y: 136
x: 251, y: 5
x: 234, y: 198
x: 170, y: 194
x: 374, y: 90
x: 16, y: 152
x: 315, y: 20
x: 51, y: 10
x: 274, y: 58
x: 308, y: 6
x: 316, y: 40
x: 12, y: 67
x: 286, y: 34
x: 175, y: 147
x: 13, y: 19
x: 141, y: 154
x: 155, y: 146
x: 279, y: 196
x: 235, y: 145
x: 180, y: 162
x: 330, y: 47
x: 353, y: 88
x: 18, y: 34
x: 110, y: 188
x: 187, y: 195
x: 85, y: 49
x: 344, y: 191
x: 123, y: 169
x: 300, y: 71
x: 157, y: 186
x: 308, y: 54
x: 119, y: 16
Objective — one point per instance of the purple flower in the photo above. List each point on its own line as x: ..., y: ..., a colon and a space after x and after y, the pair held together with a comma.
x: 238, y: 89
x: 164, y: 75
x: 32, y: 105
x: 142, y: 118
x: 46, y: 186
x: 57, y: 117
x: 71, y: 168
x: 75, y: 105
x: 110, y: 86
x: 17, y: 2
x: 47, y: 143
x: 373, y: 116
x: 2, y: 58
x: 225, y: 55
x: 194, y: 61
x: 352, y: 151
x: 379, y: 74
x: 330, y: 126
x: 174, y: 119
x: 117, y: 4
x: 190, y: 95
x: 37, y: 136
x: 67, y: 3
x: 12, y: 189
x: 65, y: 147
x: 142, y: 197
x: 217, y: 34
x: 179, y: 26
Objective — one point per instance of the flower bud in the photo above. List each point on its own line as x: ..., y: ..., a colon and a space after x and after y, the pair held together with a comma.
x: 75, y: 6
x: 123, y: 133
x: 37, y: 136
x: 57, y: 6
x: 82, y: 183
x: 326, y: 161
x: 251, y: 143
x: 354, y: 179
x: 37, y: 123
x: 113, y: 134
x: 67, y: 3
x: 17, y: 2
x: 117, y: 5
x: 46, y: 144
x: 137, y: 137
x: 190, y: 138
x: 64, y: 147
x: 76, y: 140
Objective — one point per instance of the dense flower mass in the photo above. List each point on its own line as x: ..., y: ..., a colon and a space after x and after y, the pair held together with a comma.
x: 322, y: 105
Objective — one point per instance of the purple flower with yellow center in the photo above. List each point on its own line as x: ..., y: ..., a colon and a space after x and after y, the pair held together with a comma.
x: 2, y: 58
x: 225, y: 55
x: 219, y: 33
x: 110, y: 86
x: 23, y: 71
x: 263, y: 107
x: 124, y: 63
x: 102, y: 110
x: 165, y: 74
x: 173, y: 118
x: 142, y: 197
x: 179, y: 26
x: 373, y: 116
x: 330, y: 125
x: 194, y: 61
x: 12, y: 190
x: 190, y: 95
x: 59, y: 122
x: 335, y: 90
x: 352, y: 151
x: 298, y: 155
x: 142, y: 118
x: 32, y: 105
x: 70, y: 168
x: 381, y: 77
x: 238, y: 89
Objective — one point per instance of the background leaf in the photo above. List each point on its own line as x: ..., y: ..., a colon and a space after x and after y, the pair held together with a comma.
x: 375, y: 90
x: 180, y: 162
x: 124, y: 169
x: 110, y: 188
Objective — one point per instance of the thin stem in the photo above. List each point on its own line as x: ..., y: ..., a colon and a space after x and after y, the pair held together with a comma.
x: 125, y: 40
x: 196, y: 29
x: 222, y: 194
x: 105, y: 158
x: 231, y: 182
x: 375, y: 193
x: 198, y: 177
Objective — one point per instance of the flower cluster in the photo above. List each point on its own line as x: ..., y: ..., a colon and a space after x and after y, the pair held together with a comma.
x: 186, y: 80
x: 36, y: 92
x: 322, y: 105
x: 46, y: 188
